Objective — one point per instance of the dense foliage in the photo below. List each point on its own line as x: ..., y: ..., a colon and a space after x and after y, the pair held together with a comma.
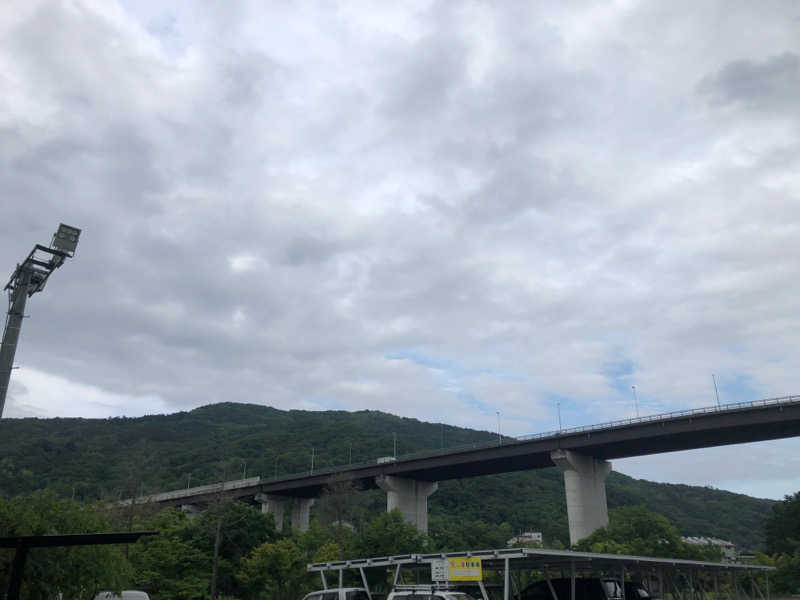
x: 111, y: 458
x: 783, y: 526
x: 636, y: 531
x: 783, y: 543
x: 71, y: 572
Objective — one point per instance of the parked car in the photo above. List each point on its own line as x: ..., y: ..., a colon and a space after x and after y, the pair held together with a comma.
x: 338, y: 594
x: 427, y: 592
x: 124, y: 595
x: 635, y: 590
x: 586, y: 588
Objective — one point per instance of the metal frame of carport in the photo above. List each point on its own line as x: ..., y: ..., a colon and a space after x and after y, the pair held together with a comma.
x: 22, y: 544
x: 666, y: 571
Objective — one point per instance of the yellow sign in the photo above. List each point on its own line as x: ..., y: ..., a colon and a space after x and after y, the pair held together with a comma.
x: 465, y: 569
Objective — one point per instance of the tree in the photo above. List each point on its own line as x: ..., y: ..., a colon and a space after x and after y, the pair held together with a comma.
x: 635, y: 530
x: 783, y: 542
x: 171, y: 565
x: 276, y: 570
x: 388, y: 534
x: 783, y: 526
x: 66, y: 572
x: 340, y: 504
x: 450, y: 534
x: 229, y: 530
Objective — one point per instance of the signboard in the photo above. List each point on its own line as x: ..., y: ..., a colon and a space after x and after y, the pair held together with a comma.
x: 439, y: 570
x: 457, y: 569
x: 465, y: 569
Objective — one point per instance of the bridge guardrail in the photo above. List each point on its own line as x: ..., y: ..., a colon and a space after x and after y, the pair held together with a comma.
x: 555, y: 433
x: 664, y: 416
x: 230, y: 485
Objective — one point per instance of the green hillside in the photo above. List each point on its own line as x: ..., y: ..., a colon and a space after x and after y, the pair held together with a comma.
x: 109, y: 458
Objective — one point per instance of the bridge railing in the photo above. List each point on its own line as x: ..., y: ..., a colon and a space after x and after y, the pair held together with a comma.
x: 231, y: 485
x: 549, y: 434
x: 663, y: 417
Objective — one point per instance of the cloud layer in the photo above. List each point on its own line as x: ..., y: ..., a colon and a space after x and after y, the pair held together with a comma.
x: 438, y: 209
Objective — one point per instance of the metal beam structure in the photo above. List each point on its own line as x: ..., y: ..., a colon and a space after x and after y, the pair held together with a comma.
x: 678, y: 575
x: 22, y: 544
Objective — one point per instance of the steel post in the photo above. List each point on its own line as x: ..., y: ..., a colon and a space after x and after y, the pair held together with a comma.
x: 17, y: 297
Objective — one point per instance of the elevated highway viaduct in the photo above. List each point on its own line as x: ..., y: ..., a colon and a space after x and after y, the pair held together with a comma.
x: 582, y: 453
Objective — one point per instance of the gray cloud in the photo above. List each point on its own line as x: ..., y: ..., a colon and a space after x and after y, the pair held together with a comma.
x: 772, y: 84
x: 438, y: 209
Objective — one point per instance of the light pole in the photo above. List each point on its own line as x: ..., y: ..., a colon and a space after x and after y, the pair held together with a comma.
x: 244, y: 470
x: 499, y: 437
x: 558, y: 409
x: 394, y: 444
x: 716, y: 391
x: 27, y: 279
x: 635, y: 401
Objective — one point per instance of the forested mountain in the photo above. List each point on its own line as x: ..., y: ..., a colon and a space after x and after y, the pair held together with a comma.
x: 109, y: 458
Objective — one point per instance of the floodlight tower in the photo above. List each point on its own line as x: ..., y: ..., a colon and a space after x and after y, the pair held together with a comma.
x: 28, y: 278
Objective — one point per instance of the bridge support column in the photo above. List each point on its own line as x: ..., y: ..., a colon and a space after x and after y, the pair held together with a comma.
x: 585, y: 485
x: 301, y: 512
x: 191, y: 510
x: 409, y: 496
x: 273, y: 505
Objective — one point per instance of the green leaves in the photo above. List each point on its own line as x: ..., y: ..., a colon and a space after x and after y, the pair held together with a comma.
x: 783, y: 526
x: 70, y: 572
x: 637, y: 531
x: 276, y: 570
x: 388, y: 534
x: 172, y: 565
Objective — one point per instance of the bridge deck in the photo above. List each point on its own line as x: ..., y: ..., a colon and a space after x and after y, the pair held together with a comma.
x: 700, y: 428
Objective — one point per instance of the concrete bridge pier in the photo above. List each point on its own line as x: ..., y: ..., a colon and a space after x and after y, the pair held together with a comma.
x: 409, y: 496
x: 273, y: 505
x: 191, y: 510
x: 277, y: 505
x: 301, y: 512
x: 585, y: 486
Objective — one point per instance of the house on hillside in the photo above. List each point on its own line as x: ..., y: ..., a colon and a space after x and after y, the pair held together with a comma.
x: 526, y: 538
x: 728, y: 549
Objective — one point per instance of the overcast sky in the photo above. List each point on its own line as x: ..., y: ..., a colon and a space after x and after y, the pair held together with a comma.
x: 436, y: 209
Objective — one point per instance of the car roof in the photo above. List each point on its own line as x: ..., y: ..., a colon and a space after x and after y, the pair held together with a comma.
x: 350, y: 589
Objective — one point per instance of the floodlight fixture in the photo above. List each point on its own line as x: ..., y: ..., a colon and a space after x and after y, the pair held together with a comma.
x: 66, y: 239
x: 30, y: 277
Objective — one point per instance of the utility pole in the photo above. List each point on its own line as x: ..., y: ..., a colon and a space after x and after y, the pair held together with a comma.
x: 28, y: 278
